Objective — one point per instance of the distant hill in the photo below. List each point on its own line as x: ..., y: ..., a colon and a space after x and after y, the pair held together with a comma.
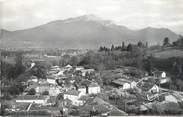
x: 84, y: 32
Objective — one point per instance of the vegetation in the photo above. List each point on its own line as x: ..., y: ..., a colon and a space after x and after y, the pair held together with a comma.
x: 45, y: 93
x: 179, y: 42
x: 31, y: 92
x: 114, y: 59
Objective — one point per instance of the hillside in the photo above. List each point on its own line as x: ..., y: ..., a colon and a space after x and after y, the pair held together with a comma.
x: 168, y: 53
x: 81, y: 32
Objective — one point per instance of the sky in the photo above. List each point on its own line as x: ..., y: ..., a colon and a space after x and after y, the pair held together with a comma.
x: 135, y: 14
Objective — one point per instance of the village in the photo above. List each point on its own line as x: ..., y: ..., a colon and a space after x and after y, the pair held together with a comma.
x: 79, y: 91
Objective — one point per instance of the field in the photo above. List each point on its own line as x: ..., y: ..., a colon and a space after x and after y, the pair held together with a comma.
x: 169, y: 53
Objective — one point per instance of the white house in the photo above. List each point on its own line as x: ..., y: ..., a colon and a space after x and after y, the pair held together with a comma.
x: 124, y: 83
x: 52, y: 89
x: 94, y: 88
x: 82, y: 89
x: 68, y: 67
x: 51, y: 81
x: 60, y: 73
x: 32, y: 99
x: 74, y: 96
x: 32, y: 65
x: 164, y: 80
x: 33, y: 79
x: 159, y: 74
x: 154, y: 89
x: 79, y: 68
x: 133, y: 84
x: 55, y: 68
x: 84, y: 71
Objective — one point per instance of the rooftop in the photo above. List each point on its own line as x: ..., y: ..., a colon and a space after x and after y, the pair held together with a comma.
x: 158, y: 72
x: 72, y: 92
x: 121, y: 81
x: 93, y: 84
x: 31, y: 97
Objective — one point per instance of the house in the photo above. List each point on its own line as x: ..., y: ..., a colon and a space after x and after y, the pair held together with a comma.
x: 84, y: 71
x: 52, y: 89
x: 159, y: 74
x: 42, y: 81
x: 55, y: 68
x: 93, y: 88
x: 32, y: 99
x: 33, y: 79
x: 60, y: 73
x: 81, y: 88
x: 68, y: 67
x: 74, y: 96
x: 164, y: 80
x: 154, y: 89
x: 88, y: 87
x: 124, y: 83
x: 51, y: 80
x: 32, y: 65
x: 79, y: 68
x: 98, y: 107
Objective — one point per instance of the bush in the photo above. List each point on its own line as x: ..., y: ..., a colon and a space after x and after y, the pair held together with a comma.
x: 32, y: 92
x: 45, y: 93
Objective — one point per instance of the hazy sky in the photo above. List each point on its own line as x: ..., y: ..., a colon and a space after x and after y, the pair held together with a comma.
x: 135, y: 14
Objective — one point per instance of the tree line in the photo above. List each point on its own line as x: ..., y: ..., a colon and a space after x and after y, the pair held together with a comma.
x: 124, y: 47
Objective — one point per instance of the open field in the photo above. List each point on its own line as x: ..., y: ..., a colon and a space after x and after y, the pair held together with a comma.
x: 169, y: 53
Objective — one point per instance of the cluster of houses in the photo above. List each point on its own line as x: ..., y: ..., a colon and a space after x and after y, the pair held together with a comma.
x: 68, y: 86
x: 59, y: 81
x: 147, y: 89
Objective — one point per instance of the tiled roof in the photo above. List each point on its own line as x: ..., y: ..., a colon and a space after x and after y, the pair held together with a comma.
x: 67, y: 100
x: 93, y: 85
x: 84, y: 97
x: 121, y: 81
x: 72, y: 92
x: 117, y: 112
x: 158, y: 72
x: 31, y: 97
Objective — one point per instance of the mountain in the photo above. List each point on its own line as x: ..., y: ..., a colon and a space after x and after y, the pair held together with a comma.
x: 84, y: 32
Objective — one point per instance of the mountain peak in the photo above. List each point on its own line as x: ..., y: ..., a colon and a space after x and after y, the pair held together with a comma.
x: 90, y: 17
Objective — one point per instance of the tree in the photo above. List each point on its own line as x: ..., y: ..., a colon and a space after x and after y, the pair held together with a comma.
x: 123, y: 47
x: 32, y: 92
x: 3, y: 109
x: 39, y: 70
x: 179, y: 42
x: 129, y: 47
x: 148, y: 65
x: 74, y: 60
x: 45, y: 93
x: 19, y: 68
x: 166, y: 41
x: 112, y: 47
x: 146, y: 44
x: 140, y: 44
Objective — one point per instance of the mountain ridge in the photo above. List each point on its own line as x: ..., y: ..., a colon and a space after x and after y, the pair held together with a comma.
x: 85, y: 32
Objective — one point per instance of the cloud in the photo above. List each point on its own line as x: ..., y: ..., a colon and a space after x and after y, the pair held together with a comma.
x: 114, y: 8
